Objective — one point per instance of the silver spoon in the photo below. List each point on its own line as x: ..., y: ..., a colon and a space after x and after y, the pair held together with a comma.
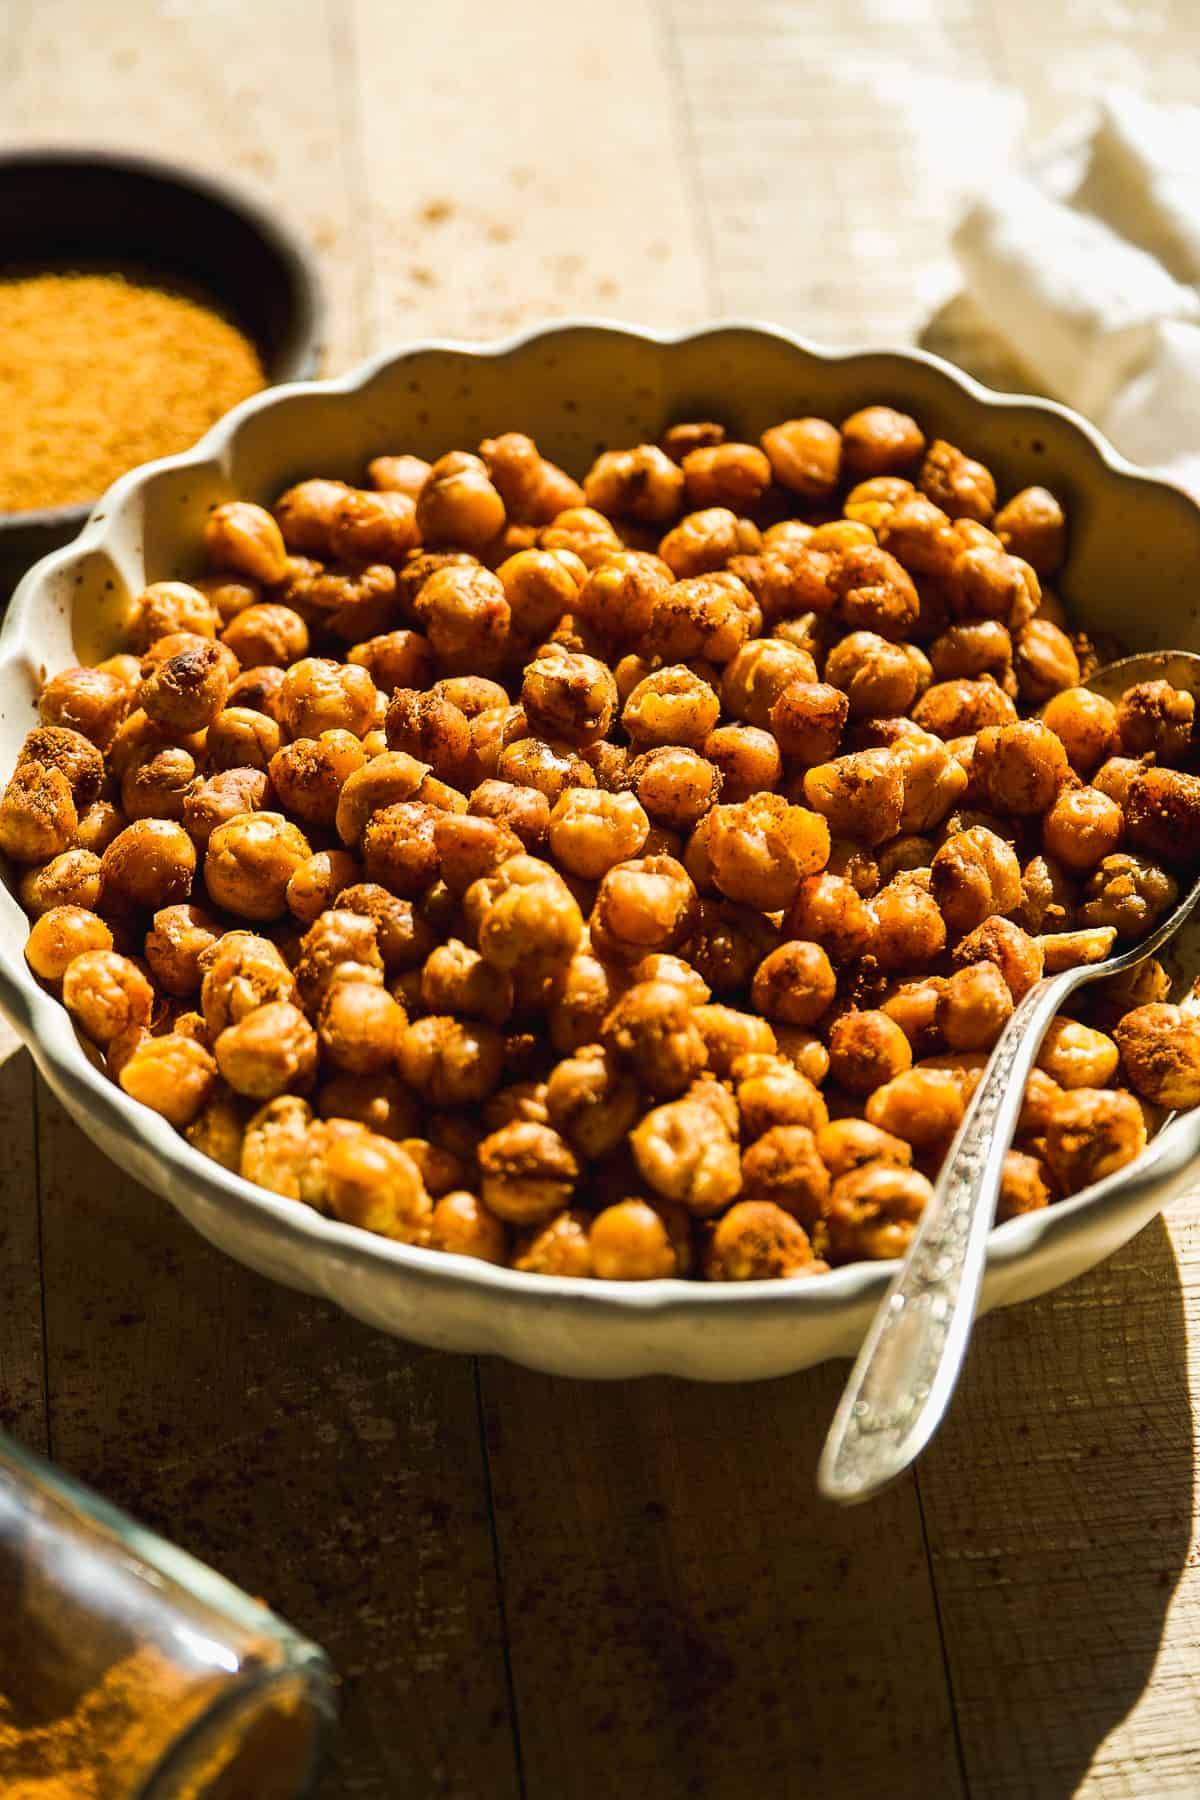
x: 906, y: 1371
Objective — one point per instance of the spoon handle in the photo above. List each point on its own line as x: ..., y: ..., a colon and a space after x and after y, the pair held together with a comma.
x: 906, y: 1370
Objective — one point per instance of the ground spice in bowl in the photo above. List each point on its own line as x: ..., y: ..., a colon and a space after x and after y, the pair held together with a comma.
x: 98, y: 373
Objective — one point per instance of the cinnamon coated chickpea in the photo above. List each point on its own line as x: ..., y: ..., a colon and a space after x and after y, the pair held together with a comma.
x: 672, y: 705
x: 92, y: 702
x: 907, y: 927
x: 528, y: 1171
x: 962, y: 487
x: 147, y: 865
x: 685, y: 1152
x: 867, y: 1049
x: 1086, y: 725
x: 106, y: 994
x: 38, y: 818
x: 879, y: 440
x: 922, y: 1106
x: 1045, y: 662
x: 167, y: 606
x: 360, y: 1027
x: 961, y: 708
x: 794, y: 984
x: 874, y: 1210
x: 860, y: 796
x: 59, y: 935
x: 975, y: 874
x: 642, y: 484
x: 1129, y: 893
x: 1091, y: 1133
x: 1081, y: 828
x: 75, y: 756
x: 249, y: 862
x: 733, y: 475
x: 758, y: 1241
x: 176, y: 945
x: 525, y: 918
x: 1018, y: 769
x: 245, y: 538
x: 308, y: 774
x: 975, y: 1007
x: 644, y: 904
x: 458, y: 505
x: 762, y: 848
x: 266, y: 636
x: 634, y: 1241
x: 173, y: 1075
x: 590, y: 831
x: 1159, y: 1046
x: 242, y: 738
x: 1162, y: 814
x: 704, y: 541
x: 570, y: 697
x: 319, y: 695
x: 593, y: 1101
x: 747, y: 760
x: 70, y: 879
x: 761, y: 671
x: 805, y: 456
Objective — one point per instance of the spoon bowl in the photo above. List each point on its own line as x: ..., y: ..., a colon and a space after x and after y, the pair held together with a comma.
x: 910, y: 1361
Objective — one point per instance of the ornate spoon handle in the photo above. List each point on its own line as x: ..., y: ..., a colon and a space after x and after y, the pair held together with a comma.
x: 906, y: 1370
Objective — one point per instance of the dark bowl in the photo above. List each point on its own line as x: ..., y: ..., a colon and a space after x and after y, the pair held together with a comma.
x: 99, y: 209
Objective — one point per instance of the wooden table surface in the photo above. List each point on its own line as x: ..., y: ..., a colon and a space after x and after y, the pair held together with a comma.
x: 549, y: 1588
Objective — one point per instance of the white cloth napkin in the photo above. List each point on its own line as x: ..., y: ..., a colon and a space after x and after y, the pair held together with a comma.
x: 1088, y: 269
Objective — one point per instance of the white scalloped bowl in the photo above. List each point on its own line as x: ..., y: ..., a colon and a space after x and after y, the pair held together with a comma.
x: 1135, y: 554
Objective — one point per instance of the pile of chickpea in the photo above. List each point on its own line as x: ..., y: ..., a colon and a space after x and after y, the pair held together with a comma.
x: 618, y: 880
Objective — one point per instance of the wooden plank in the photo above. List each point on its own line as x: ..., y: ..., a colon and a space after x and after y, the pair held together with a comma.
x: 534, y: 171
x: 22, y: 1358
x: 1059, y: 1501
x: 256, y: 92
x: 328, y: 1468
x: 686, y: 1619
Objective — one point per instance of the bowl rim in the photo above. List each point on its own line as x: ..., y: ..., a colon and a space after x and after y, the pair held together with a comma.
x: 286, y: 240
x: 44, y: 1024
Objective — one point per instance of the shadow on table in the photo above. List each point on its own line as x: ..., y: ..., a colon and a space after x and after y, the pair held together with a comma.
x: 1058, y: 1505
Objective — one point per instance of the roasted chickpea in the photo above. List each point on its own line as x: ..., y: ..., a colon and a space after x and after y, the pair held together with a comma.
x: 589, y: 831
x: 173, y: 1075
x: 266, y: 636
x: 642, y: 484
x: 1160, y: 1054
x: 164, y: 607
x: 592, y: 1101
x: 758, y: 1241
x: 685, y: 1152
x: 321, y: 695
x: 907, y: 927
x: 1091, y: 1133
x: 398, y: 474
x: 923, y: 1106
x: 1129, y: 893
x: 1162, y: 814
x: 1033, y: 527
x: 399, y: 847
x: 249, y: 862
x: 878, y: 440
x: 377, y: 526
x: 1045, y: 662
x: 1086, y: 724
x: 569, y: 697
x: 954, y: 709
x: 360, y: 1027
x: 860, y: 796
x: 1018, y: 768
x: 246, y: 539
x: 267, y: 1052
x: 207, y: 804
x: 529, y: 1172
x: 525, y: 917
x: 219, y: 1129
x: 955, y: 482
x: 76, y: 757
x: 651, y: 1029
x: 257, y: 690
x: 106, y: 994
x: 807, y: 720
x: 1075, y: 1055
x: 375, y: 1184
x: 240, y: 972
x: 458, y: 504
x: 846, y: 1144
x: 147, y: 865
x: 1082, y: 828
x: 975, y: 1007
x: 462, y: 1225
x: 733, y: 475
x: 38, y: 818
x: 880, y: 679
x: 633, y: 1241
x: 975, y: 874
x: 60, y: 935
x: 805, y: 456
x: 1154, y: 718
x: 794, y: 984
x: 762, y: 848
x: 394, y: 659
x: 240, y: 738
x: 98, y: 826
x: 309, y: 774
x: 874, y: 1210
x: 867, y: 1049
x: 642, y: 905
x: 828, y: 911
x: 783, y: 1166
x: 70, y: 879
x: 702, y: 617
x: 677, y: 787
x: 1024, y: 1186
x: 179, y: 939
x: 704, y: 541
x: 670, y: 706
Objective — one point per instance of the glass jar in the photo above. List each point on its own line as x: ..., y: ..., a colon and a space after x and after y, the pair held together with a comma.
x: 129, y: 1671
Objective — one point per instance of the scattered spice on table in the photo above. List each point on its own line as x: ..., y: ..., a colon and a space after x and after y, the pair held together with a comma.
x: 99, y: 373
